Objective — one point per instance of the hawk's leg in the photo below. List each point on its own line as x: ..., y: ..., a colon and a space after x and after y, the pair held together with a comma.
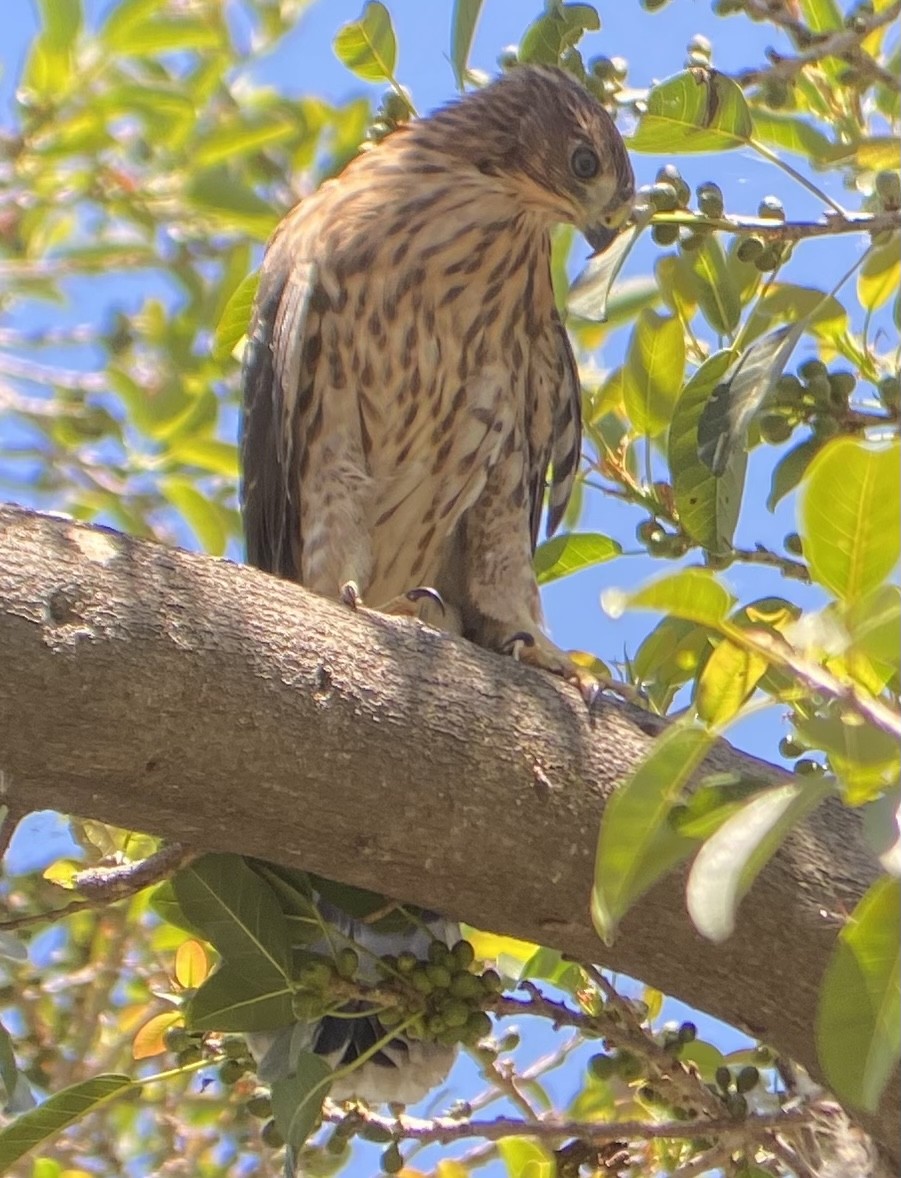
x: 412, y: 603
x: 535, y: 649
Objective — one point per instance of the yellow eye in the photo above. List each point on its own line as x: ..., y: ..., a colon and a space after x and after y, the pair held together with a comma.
x: 584, y: 163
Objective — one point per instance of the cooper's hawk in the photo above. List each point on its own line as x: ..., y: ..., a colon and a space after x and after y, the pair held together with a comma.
x: 409, y: 383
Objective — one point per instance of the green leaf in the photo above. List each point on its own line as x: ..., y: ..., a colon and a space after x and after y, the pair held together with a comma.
x: 560, y: 28
x: 9, y: 1073
x: 56, y: 1113
x: 240, y: 137
x: 589, y: 295
x: 199, y: 512
x: 696, y: 111
x: 708, y: 505
x: 637, y: 844
x: 821, y: 16
x: 732, y: 858
x: 727, y: 416
x: 61, y: 22
x: 571, y: 553
x: 233, y: 999
x: 729, y: 677
x: 785, y: 302
x: 693, y: 594
x: 874, y: 624
x: 880, y: 274
x: 207, y: 453
x: 668, y: 658
x: 165, y: 905
x: 297, y: 1100
x: 235, y: 319
x: 865, y: 759
x: 715, y: 289
x: 158, y: 35
x: 225, y: 198
x: 858, y: 1025
x: 653, y: 371
x: 798, y: 135
x: 463, y: 27
x: 524, y: 1157
x: 368, y: 46
x: 238, y: 913
x: 790, y: 469
x: 849, y: 516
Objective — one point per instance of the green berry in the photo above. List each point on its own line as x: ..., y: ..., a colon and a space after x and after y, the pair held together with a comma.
x: 692, y: 241
x: 670, y: 175
x: 811, y: 369
x: 231, y: 1071
x: 271, y: 1136
x: 407, y: 962
x: 663, y: 198
x: 771, y: 208
x: 723, y: 1078
x: 747, y: 1079
x: 234, y: 1047
x: 775, y: 428
x: 316, y: 975
x: 790, y: 749
x: 688, y: 1032
x: 178, y: 1039
x: 841, y: 386
x: 392, y: 1160
x: 664, y: 234
x: 439, y: 954
x: 749, y: 249
x: 889, y: 389
x: 492, y: 982
x: 888, y: 189
x: 259, y: 1105
x: 789, y: 390
x: 710, y: 199
x: 466, y: 985
x: 769, y: 258
x: 629, y: 1066
x: 377, y: 1134
x: 456, y: 1014
x: 421, y: 981
x: 439, y: 976
x: 463, y: 954
x: 819, y: 388
x: 188, y: 1056
x: 307, y: 1006
x: 737, y: 1105
x: 807, y: 767
x: 478, y: 1025
x: 347, y: 963
x: 603, y: 1066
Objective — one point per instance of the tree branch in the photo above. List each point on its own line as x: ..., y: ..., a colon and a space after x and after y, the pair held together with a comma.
x: 208, y: 703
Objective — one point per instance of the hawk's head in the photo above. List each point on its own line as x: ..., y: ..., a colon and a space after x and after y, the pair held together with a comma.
x: 539, y: 133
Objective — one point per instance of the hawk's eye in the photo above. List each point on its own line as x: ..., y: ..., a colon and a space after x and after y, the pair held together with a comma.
x: 584, y: 163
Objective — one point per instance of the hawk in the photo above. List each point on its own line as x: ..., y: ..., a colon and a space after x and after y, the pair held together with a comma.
x: 408, y: 381
x: 409, y: 386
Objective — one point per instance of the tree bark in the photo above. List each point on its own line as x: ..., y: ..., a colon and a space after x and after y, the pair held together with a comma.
x: 206, y: 702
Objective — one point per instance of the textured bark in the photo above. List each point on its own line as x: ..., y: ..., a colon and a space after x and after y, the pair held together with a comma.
x: 203, y: 701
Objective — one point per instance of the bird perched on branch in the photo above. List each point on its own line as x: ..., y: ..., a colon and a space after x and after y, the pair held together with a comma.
x: 410, y: 391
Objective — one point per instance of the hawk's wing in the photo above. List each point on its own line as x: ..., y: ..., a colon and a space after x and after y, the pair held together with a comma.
x: 566, y: 443
x: 278, y: 372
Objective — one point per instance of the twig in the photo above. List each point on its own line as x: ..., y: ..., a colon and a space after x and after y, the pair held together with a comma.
x: 786, y: 231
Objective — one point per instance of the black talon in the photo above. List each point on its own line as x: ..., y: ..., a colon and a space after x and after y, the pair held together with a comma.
x: 522, y: 636
x: 425, y: 591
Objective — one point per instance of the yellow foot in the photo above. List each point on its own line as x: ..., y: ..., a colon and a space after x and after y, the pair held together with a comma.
x: 535, y: 650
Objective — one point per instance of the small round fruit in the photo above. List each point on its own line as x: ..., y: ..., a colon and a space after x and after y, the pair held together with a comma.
x: 749, y: 249
x: 271, y: 1135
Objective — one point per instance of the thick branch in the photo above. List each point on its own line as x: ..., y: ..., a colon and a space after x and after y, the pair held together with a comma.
x: 206, y: 702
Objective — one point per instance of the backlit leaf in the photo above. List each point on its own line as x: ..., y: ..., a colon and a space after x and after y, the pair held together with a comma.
x: 368, y: 45
x: 652, y: 375
x: 463, y: 27
x: 563, y: 555
x: 696, y: 111
x: 56, y: 1113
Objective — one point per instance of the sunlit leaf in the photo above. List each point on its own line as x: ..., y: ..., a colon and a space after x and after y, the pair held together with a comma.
x: 522, y: 1156
x: 191, y: 964
x: 560, y: 27
x: 59, y: 1111
x: 715, y: 291
x: 696, y: 111
x: 732, y: 858
x: 858, y: 1025
x: 199, y: 512
x: 463, y: 27
x: 637, y: 844
x: 880, y: 274
x: 850, y: 516
x: 150, y: 1039
x: 708, y: 505
x: 368, y: 45
x: 693, y: 594
x: 9, y: 1073
x: 563, y: 555
x: 652, y: 375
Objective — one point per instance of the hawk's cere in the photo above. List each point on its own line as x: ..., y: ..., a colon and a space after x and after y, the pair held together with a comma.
x: 408, y: 381
x: 408, y: 386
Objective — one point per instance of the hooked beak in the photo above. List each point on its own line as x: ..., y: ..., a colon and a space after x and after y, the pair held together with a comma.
x: 601, y: 235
